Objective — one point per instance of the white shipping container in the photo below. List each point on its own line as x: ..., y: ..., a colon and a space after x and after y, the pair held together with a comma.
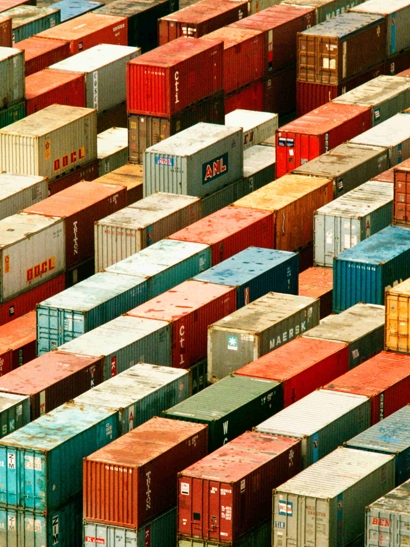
x: 141, y: 224
x: 20, y: 191
x: 50, y: 143
x: 324, y: 506
x: 104, y: 68
x: 32, y: 250
x: 12, y: 76
x: 112, y: 149
x: 257, y: 126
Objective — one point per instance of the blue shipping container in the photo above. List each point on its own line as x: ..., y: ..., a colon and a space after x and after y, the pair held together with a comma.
x: 255, y: 272
x: 85, y: 306
x: 73, y: 8
x: 390, y: 436
x: 362, y: 273
x: 41, y: 463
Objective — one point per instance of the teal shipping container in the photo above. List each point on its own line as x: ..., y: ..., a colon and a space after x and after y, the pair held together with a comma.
x: 363, y: 272
x: 255, y: 272
x: 230, y: 407
x: 14, y: 413
x: 85, y: 306
x: 124, y: 342
x: 12, y: 114
x: 30, y: 20
x: 41, y: 463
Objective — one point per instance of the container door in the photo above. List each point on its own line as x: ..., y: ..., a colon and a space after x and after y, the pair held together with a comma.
x: 219, y: 507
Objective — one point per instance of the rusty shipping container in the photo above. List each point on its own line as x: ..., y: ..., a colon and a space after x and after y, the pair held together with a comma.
x: 17, y: 342
x: 318, y: 283
x: 5, y: 32
x: 397, y: 331
x: 40, y: 53
x: 401, y: 204
x: 140, y: 471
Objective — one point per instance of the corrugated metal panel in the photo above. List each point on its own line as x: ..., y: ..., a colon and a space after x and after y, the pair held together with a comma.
x: 325, y: 9
x: 128, y: 175
x: 322, y: 420
x: 40, y: 53
x: 230, y: 407
x: 5, y: 32
x: 36, y: 459
x: 17, y: 342
x: 12, y: 76
x: 401, y: 211
x: 258, y: 167
x: 364, y: 272
x: 328, y: 500
x: 30, y: 20
x: 397, y: 337
x: 260, y: 536
x: 12, y: 114
x: 20, y: 191
x: 224, y: 197
x: 256, y: 126
x: 344, y: 222
x: 112, y: 149
x: 14, y: 413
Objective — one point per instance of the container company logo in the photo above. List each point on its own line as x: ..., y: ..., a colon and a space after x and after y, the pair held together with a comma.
x: 162, y: 160
x: 67, y: 159
x: 40, y: 269
x: 91, y: 539
x: 285, y: 508
x: 215, y: 168
x: 233, y: 343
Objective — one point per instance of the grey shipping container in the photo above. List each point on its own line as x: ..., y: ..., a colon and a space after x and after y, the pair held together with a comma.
x: 230, y: 407
x: 12, y: 76
x: 223, y: 197
x: 348, y: 165
x: 20, y: 191
x: 361, y: 326
x: 325, y: 9
x: 14, y: 413
x: 103, y: 67
x: 346, y: 221
x: 258, y: 167
x: 321, y: 422
x: 112, y: 149
x: 256, y: 329
x: 140, y: 393
x: 30, y: 20
x: 257, y: 126
x: 324, y: 505
x: 196, y: 161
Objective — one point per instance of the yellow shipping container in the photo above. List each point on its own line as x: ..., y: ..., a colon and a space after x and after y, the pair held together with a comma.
x: 397, y: 330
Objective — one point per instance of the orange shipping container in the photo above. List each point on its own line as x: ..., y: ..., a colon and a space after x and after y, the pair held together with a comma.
x: 130, y: 176
x: 397, y: 329
x: 401, y: 201
x: 39, y: 53
x: 5, y: 32
x: 292, y: 199
x: 17, y: 342
x: 318, y: 283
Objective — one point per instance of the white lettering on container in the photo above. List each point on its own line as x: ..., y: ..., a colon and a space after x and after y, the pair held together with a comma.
x: 176, y: 78
x: 148, y: 491
x: 75, y: 237
x: 32, y: 462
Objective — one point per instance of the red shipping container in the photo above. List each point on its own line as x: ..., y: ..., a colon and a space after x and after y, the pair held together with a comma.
x: 53, y: 379
x: 48, y: 87
x: 318, y: 283
x: 401, y: 202
x: 302, y: 365
x: 384, y: 378
x: 228, y: 492
x: 199, y: 19
x: 280, y: 25
x: 87, y: 172
x: 8, y: 4
x: 89, y: 30
x: 250, y: 97
x: 229, y: 231
x: 243, y: 60
x: 40, y: 53
x: 5, y: 32
x: 405, y: 73
x: 317, y: 132
x: 26, y: 302
x: 81, y: 205
x: 174, y: 76
x: 280, y: 91
x: 190, y: 307
x: 17, y: 342
x: 139, y: 471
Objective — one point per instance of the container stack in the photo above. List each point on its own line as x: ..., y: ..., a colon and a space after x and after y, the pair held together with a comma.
x: 30, y: 20
x: 12, y: 86
x: 5, y: 31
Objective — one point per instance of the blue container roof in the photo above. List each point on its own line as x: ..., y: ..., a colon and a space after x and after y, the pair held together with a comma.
x: 69, y: 9
x: 345, y: 25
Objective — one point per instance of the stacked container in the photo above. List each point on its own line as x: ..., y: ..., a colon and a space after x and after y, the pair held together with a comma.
x: 12, y: 88
x: 397, y: 318
x: 20, y: 191
x: 30, y: 20
x: 128, y: 175
x: 40, y: 53
x: 112, y: 149
x: 257, y: 127
x: 318, y: 283
x: 5, y: 32
x: 401, y: 212
x: 17, y: 343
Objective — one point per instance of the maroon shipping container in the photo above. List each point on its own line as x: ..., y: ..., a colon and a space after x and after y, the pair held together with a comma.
x: 114, y: 117
x: 243, y: 60
x: 5, y: 32
x: 17, y: 342
x: 401, y: 202
x: 230, y: 230
x: 81, y: 205
x: 8, y: 4
x: 318, y: 283
x: 199, y: 19
x: 174, y: 76
x: 53, y: 379
x: 139, y: 471
x: 280, y: 25
x: 302, y: 365
x: 87, y: 172
x: 384, y: 378
x: 398, y: 63
x: 317, y: 132
x: 40, y: 53
x: 48, y: 87
x: 250, y: 97
x: 190, y: 307
x: 228, y: 492
x: 280, y: 91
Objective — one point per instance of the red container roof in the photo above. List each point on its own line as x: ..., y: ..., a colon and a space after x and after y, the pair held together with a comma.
x: 232, y: 36
x: 19, y: 332
x: 315, y: 282
x: 46, y: 80
x: 275, y: 16
x: 204, y: 11
x: 35, y: 46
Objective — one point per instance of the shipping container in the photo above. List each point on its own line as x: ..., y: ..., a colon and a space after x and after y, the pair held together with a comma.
x: 87, y: 172
x: 318, y: 283
x: 70, y: 9
x: 112, y: 149
x: 364, y: 272
x: 150, y: 457
x: 348, y: 165
x: 328, y: 500
x: 280, y: 91
x: 301, y: 366
x: 17, y: 342
x: 173, y: 74
x: 40, y: 53
x: 317, y: 132
x: 12, y: 114
x: 12, y: 76
x: 229, y: 491
x: 5, y: 32
x: 248, y: 96
x: 258, y: 167
x: 8, y: 4
x: 224, y: 197
x: 230, y: 407
x: 128, y: 175
x: 254, y: 272
x: 401, y: 211
x: 141, y: 224
x: 259, y: 536
x: 114, y: 117
x: 337, y: 49
x: 292, y: 200
x: 14, y: 413
x: 257, y: 329
x: 324, y: 9
x: 30, y: 20
x: 384, y: 379
x: 357, y: 215
x: 397, y: 318
x: 79, y: 273
x: 256, y: 126
x: 19, y: 191
x: 322, y: 421
x: 229, y: 231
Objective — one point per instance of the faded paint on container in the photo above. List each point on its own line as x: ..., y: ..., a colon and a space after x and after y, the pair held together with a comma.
x: 257, y: 329
x: 5, y: 32
x: 397, y: 335
x: 14, y: 413
x: 141, y: 224
x: 198, y: 376
x: 259, y: 536
x: 12, y: 114
x: 324, y: 9
x: 357, y: 215
x: 329, y: 499
x: 230, y: 407
x: 364, y: 272
x: 45, y: 452
x: 20, y: 191
x: 40, y: 53
x: 129, y: 176
x: 322, y: 420
x: 30, y: 20
x: 256, y: 126
x: 17, y: 342
x: 70, y: 10
x: 88, y: 172
x: 196, y: 161
x: 318, y: 283
x: 112, y: 149
x: 12, y: 76
x: 401, y: 212
x: 224, y: 197
x: 258, y: 167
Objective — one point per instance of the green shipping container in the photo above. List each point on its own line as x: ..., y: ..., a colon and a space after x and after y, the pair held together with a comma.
x: 230, y: 407
x: 12, y: 114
